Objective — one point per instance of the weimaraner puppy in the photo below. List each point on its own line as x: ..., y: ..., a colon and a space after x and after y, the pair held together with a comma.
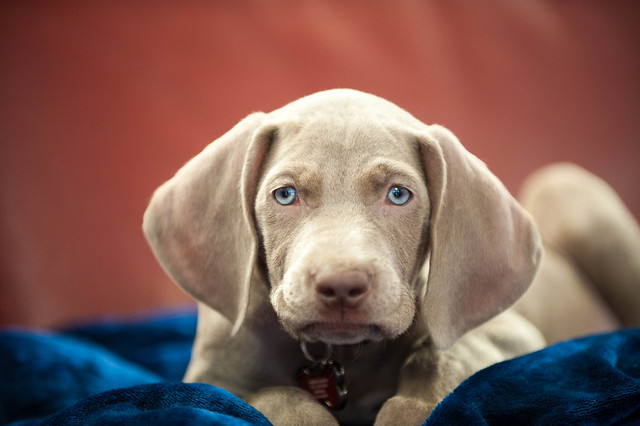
x: 339, y: 242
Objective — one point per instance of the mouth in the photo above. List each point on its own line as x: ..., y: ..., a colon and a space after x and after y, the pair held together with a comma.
x: 340, y: 333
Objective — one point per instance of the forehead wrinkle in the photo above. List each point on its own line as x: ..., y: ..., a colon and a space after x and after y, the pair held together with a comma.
x: 302, y: 175
x: 383, y: 171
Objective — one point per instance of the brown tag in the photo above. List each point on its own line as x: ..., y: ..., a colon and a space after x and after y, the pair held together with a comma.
x: 325, y: 381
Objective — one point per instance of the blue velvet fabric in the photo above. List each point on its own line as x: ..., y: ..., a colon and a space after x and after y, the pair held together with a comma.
x: 127, y: 372
x: 112, y: 372
x: 171, y: 403
x: 589, y: 381
x: 41, y: 373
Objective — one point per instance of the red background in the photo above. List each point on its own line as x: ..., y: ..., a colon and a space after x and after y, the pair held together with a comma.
x: 100, y: 102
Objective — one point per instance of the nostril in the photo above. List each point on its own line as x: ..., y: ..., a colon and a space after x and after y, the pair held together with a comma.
x: 326, y: 291
x: 357, y: 291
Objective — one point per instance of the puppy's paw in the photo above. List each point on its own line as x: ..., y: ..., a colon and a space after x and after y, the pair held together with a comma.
x: 289, y: 406
x: 401, y: 410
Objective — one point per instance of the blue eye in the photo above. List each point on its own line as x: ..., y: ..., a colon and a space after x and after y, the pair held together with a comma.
x: 286, y: 195
x: 399, y: 195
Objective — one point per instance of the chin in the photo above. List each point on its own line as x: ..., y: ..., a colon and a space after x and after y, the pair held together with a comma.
x: 341, y: 333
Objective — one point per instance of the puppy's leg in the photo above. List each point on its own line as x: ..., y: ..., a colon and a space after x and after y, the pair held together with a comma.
x: 582, y: 219
x: 427, y: 376
x: 563, y: 303
x: 430, y: 374
x: 290, y: 406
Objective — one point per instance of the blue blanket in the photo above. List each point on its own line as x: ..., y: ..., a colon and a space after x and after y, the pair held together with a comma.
x: 117, y: 372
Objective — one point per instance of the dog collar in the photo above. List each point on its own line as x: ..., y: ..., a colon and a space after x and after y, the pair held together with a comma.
x: 324, y: 378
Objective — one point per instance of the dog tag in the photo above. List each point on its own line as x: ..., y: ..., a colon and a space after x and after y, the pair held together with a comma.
x: 325, y: 381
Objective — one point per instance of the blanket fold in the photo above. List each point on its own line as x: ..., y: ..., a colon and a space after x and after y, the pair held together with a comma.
x: 158, y: 403
x: 41, y: 373
x: 592, y: 380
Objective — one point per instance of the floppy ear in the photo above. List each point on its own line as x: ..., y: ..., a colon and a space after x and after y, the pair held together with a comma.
x: 484, y: 247
x: 200, y: 223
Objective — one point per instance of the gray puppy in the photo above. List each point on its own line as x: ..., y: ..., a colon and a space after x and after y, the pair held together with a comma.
x: 340, y: 229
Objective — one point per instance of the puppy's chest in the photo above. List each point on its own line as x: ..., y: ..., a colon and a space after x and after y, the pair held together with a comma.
x: 369, y: 385
x: 370, y: 378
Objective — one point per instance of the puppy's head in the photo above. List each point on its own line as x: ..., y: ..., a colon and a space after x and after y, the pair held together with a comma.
x: 342, y: 197
x: 342, y: 211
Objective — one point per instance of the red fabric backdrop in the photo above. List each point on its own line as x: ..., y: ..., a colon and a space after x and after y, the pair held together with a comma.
x: 102, y: 101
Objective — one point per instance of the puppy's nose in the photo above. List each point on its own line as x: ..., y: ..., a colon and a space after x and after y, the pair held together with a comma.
x: 343, y: 290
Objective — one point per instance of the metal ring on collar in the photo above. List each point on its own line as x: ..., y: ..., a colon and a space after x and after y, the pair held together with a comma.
x: 307, y: 354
